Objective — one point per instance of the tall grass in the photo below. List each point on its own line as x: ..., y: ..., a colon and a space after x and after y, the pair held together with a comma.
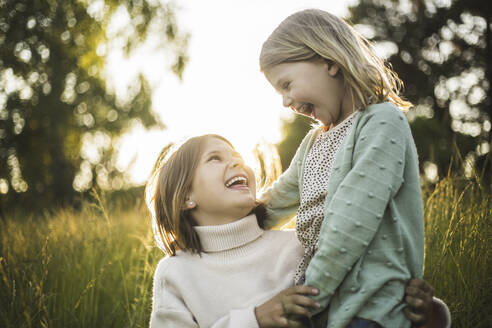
x: 85, y: 269
x: 94, y: 268
x: 458, y: 253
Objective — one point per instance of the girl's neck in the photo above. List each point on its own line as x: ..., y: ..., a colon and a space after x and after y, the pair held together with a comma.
x: 347, y: 108
x: 219, y: 238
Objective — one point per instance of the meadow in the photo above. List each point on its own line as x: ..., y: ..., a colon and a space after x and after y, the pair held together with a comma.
x: 93, y: 267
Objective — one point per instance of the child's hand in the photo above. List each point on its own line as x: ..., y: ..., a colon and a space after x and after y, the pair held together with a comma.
x: 418, y: 296
x: 283, y: 309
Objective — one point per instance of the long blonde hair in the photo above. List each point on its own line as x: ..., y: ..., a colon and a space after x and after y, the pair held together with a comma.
x: 315, y: 34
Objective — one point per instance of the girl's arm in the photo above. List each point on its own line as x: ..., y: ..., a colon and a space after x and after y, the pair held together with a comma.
x: 169, y: 311
x: 375, y: 175
x: 282, y: 198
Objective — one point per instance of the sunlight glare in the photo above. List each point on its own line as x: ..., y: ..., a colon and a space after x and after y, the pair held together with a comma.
x: 222, y: 90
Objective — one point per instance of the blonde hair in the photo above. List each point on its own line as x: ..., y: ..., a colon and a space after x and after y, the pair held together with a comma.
x: 314, y: 34
x: 166, y: 193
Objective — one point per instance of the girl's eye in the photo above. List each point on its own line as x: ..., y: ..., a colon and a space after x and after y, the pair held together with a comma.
x: 214, y: 158
x: 285, y: 85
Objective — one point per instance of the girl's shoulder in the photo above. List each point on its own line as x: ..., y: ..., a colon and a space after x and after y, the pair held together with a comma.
x: 281, y: 235
x: 283, y: 242
x: 382, y: 113
x: 169, y: 264
x: 385, y: 108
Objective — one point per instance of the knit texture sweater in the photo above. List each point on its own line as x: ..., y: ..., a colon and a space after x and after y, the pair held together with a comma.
x: 242, y: 267
x: 372, y: 239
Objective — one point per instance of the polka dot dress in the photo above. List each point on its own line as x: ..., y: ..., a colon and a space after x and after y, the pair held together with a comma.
x: 317, y: 170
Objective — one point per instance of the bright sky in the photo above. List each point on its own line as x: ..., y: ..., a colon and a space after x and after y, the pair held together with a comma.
x: 222, y: 90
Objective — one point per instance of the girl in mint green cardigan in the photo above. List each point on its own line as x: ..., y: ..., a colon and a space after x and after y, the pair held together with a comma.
x: 354, y: 179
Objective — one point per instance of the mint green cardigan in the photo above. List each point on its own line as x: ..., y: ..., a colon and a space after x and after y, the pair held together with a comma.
x: 372, y: 237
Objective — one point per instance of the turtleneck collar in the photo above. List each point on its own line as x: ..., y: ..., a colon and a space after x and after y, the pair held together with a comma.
x: 228, y: 236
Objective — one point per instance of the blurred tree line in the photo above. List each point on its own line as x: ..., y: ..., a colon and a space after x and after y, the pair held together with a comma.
x: 54, y: 99
x: 441, y: 49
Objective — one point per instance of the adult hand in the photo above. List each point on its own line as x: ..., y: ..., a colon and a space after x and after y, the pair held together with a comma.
x: 287, y: 308
x: 418, y: 296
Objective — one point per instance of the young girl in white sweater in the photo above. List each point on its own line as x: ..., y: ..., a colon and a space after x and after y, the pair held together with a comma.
x: 222, y: 268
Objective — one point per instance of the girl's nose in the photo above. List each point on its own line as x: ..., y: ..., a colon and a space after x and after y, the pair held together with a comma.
x: 237, y: 161
x: 287, y: 101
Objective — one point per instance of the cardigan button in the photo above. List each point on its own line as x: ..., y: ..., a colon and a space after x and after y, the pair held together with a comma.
x: 353, y: 289
x: 362, y: 174
x: 358, y: 224
x: 370, y: 195
x: 382, y: 167
x: 384, y: 237
x: 399, y: 250
x: 349, y: 203
x: 365, y: 243
x: 334, y: 229
x: 395, y: 219
x: 343, y: 250
x: 393, y: 141
x: 382, y: 122
x: 362, y: 138
x: 400, y: 161
x: 389, y: 264
x: 369, y: 252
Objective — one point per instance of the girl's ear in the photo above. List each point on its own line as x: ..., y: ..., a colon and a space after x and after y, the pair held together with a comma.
x: 189, y: 204
x: 332, y: 68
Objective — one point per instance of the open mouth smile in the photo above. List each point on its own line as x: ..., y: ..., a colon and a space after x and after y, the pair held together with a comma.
x: 306, y: 109
x: 237, y: 182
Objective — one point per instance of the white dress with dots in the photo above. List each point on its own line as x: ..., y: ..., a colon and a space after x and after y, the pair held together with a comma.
x: 318, y: 165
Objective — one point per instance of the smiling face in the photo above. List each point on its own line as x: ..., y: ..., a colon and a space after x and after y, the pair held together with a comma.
x: 223, y: 188
x: 312, y: 88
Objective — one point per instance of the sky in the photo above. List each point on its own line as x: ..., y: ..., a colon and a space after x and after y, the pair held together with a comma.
x: 222, y: 90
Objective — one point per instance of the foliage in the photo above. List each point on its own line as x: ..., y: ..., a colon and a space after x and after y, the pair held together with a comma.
x: 441, y: 50
x: 54, y: 99
x: 94, y: 268
x: 458, y: 252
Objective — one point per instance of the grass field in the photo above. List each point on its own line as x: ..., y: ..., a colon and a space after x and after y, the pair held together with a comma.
x: 94, y: 267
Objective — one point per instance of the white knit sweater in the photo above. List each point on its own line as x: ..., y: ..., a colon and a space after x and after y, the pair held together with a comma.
x: 242, y: 267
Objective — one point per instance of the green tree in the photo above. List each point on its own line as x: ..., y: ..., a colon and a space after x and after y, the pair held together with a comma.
x: 441, y: 50
x: 53, y: 96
